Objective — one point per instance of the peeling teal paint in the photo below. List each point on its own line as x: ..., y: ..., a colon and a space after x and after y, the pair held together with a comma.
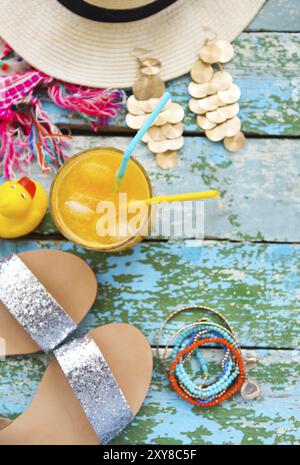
x: 255, y: 285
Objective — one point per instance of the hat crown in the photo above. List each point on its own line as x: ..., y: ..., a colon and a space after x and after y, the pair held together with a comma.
x: 118, y: 4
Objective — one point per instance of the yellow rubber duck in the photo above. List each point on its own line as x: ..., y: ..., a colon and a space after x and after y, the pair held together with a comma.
x: 23, y: 205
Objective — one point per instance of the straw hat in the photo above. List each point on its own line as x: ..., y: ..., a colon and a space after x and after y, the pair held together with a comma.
x: 90, y: 42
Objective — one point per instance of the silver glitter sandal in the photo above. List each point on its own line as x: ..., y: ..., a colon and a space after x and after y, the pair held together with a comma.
x: 90, y: 393
x: 44, y: 294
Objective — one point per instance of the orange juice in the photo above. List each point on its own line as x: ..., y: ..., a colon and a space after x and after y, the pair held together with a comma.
x: 85, y: 205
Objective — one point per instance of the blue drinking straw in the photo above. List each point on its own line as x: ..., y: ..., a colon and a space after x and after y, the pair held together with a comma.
x: 131, y: 147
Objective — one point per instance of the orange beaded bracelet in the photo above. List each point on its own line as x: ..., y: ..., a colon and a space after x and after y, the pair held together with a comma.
x: 189, y: 349
x: 187, y: 340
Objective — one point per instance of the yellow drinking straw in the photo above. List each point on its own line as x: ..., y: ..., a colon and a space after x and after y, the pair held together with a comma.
x: 213, y: 194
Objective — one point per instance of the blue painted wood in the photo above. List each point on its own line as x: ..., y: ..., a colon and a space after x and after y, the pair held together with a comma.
x: 255, y: 285
x: 277, y: 15
x: 166, y: 419
x: 259, y: 187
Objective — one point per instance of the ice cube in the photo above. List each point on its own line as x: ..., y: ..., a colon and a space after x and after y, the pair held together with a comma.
x: 78, y: 211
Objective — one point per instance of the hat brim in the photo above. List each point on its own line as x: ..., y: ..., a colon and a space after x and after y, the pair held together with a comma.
x: 74, y: 49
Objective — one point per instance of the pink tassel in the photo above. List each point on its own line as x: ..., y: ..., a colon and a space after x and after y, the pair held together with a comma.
x: 27, y: 132
x: 13, y: 144
x: 53, y: 142
x: 98, y: 104
x: 17, y: 89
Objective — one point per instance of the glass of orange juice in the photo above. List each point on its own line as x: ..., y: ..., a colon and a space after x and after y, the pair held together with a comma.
x: 88, y: 209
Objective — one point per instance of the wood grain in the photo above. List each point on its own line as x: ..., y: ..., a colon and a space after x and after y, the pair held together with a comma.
x: 253, y: 283
x: 166, y: 419
x: 259, y: 187
x: 277, y: 15
x: 256, y: 286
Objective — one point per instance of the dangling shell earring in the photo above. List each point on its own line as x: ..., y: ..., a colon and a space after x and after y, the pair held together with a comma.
x: 165, y: 137
x: 215, y: 96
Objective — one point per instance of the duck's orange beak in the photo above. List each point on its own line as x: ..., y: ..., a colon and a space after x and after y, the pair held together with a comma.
x: 28, y: 185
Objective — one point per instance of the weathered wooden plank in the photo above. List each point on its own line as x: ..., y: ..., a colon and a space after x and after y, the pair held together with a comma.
x: 277, y: 15
x: 274, y: 419
x: 166, y: 419
x: 266, y: 66
x: 255, y: 285
x: 259, y: 186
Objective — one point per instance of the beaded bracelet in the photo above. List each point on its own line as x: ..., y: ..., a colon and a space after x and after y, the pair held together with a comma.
x: 187, y: 342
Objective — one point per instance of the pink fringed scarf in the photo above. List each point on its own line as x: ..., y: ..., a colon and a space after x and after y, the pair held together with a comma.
x: 26, y: 131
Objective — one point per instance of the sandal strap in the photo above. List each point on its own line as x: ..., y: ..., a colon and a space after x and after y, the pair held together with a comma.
x: 95, y: 386
x: 31, y: 304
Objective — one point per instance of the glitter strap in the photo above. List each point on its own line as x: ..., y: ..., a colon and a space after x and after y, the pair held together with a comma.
x: 32, y: 305
x: 95, y: 386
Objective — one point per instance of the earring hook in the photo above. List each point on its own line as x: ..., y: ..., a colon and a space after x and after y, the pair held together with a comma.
x: 213, y: 34
x: 138, y: 52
